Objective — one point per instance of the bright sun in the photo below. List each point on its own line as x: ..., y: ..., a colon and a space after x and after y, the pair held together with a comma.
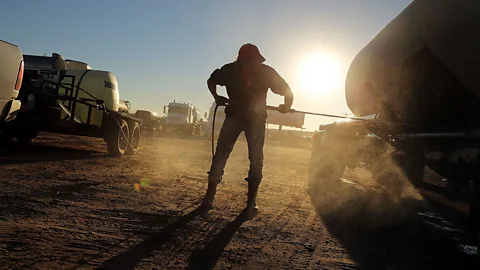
x: 319, y: 74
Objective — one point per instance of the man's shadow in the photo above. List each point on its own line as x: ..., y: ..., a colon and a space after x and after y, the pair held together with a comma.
x: 130, y: 258
x: 207, y: 257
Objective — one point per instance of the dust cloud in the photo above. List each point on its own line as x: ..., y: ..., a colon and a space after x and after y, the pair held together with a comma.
x: 343, y: 192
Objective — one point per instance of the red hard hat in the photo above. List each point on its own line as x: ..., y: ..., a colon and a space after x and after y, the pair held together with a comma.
x: 250, y: 53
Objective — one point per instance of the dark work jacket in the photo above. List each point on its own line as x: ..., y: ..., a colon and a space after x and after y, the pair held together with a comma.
x: 247, y: 88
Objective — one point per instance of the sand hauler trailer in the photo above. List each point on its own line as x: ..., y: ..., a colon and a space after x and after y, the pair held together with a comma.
x: 68, y: 97
x: 416, y: 88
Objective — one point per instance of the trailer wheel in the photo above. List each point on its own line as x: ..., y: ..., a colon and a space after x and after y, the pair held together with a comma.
x: 117, y: 139
x: 134, y: 140
x: 393, y: 171
x: 327, y: 162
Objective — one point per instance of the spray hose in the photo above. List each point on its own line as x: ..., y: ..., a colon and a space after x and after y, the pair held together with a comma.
x: 213, y: 130
x: 272, y: 108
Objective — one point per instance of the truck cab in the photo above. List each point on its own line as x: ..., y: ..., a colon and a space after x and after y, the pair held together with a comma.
x: 11, y: 77
x: 182, y: 116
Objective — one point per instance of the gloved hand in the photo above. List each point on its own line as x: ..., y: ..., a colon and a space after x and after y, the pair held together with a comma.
x: 221, y: 101
x: 284, y: 109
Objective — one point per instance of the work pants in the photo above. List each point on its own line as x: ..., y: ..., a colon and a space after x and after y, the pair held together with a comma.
x: 255, y: 134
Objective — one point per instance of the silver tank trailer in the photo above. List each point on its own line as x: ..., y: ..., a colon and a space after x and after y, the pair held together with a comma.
x: 422, y: 68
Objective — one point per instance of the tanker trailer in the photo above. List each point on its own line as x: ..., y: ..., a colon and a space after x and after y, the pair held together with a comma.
x: 69, y: 97
x: 415, y: 85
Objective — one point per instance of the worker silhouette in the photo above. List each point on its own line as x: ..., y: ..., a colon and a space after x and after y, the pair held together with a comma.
x: 247, y: 81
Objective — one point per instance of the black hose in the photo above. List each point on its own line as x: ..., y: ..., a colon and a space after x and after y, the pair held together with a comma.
x: 213, y: 130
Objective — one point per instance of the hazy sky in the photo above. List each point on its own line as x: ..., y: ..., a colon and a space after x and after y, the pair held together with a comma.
x: 165, y: 50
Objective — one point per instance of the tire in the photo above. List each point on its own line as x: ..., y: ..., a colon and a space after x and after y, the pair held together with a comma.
x: 327, y: 162
x: 327, y: 166
x: 117, y: 138
x: 134, y: 139
x: 392, y: 172
x: 390, y: 177
x: 25, y: 137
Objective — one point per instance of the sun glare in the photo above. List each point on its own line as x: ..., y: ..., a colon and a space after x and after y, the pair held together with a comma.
x: 319, y: 73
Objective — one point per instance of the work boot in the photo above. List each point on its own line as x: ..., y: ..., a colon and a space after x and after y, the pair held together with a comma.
x: 251, y: 210
x: 209, y: 196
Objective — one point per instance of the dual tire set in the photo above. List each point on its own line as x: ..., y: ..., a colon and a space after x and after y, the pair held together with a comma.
x: 331, y: 155
x: 123, y: 138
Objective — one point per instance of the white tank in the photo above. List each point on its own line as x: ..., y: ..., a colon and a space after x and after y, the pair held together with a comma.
x: 100, y: 84
x: 73, y: 64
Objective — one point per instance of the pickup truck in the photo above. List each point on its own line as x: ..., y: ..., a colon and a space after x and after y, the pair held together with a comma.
x: 150, y: 119
x: 11, y: 76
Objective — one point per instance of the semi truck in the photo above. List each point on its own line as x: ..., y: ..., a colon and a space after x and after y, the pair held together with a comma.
x: 182, y: 117
x: 415, y: 92
x: 11, y: 77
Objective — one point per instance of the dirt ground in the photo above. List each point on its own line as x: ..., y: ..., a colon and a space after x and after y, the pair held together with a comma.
x: 66, y: 205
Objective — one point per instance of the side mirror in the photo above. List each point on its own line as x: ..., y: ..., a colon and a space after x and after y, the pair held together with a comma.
x: 205, y: 116
x: 164, y: 109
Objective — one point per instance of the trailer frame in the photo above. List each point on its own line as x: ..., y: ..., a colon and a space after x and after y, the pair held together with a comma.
x: 42, y: 109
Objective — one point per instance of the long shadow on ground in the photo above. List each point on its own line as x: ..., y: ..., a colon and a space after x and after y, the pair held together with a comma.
x: 207, y: 257
x: 130, y: 258
x: 383, y: 231
x: 16, y: 154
